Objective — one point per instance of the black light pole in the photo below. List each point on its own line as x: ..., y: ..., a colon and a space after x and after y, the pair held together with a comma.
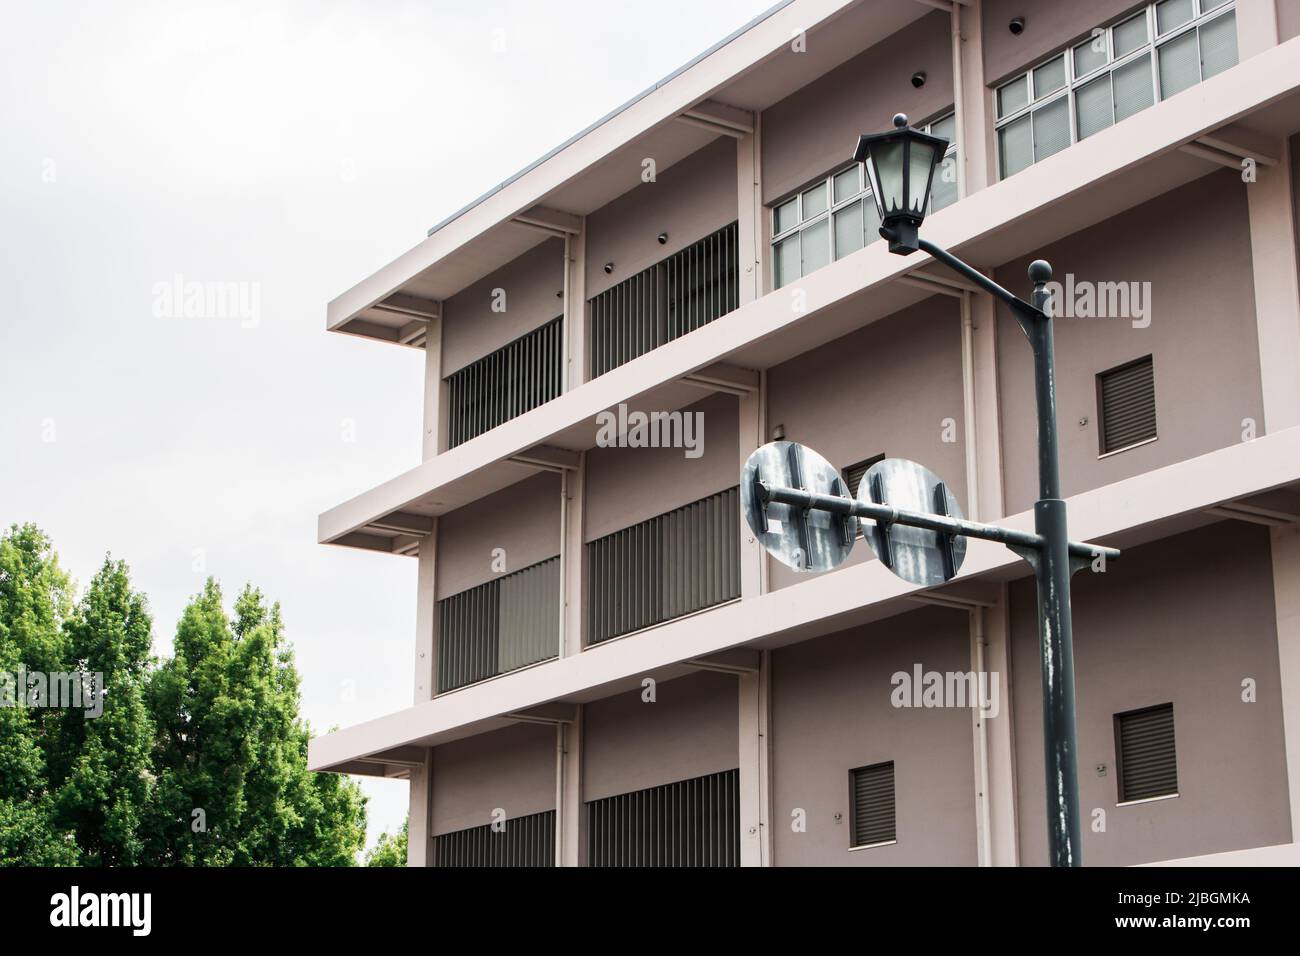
x: 900, y: 165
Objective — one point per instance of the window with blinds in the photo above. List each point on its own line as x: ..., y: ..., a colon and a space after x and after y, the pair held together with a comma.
x: 670, y: 565
x: 1126, y: 405
x: 1145, y: 758
x: 872, y: 792
x: 1113, y: 73
x: 514, y: 379
x: 499, y: 626
x: 685, y: 291
x: 526, y: 841
x: 688, y: 823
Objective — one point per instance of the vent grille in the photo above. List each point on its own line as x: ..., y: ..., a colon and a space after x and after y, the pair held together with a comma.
x: 688, y: 289
x: 689, y: 823
x: 873, y: 804
x: 1148, y: 764
x: 668, y: 566
x: 1127, y: 400
x: 515, y: 378
x: 499, y: 626
x: 526, y: 841
x: 853, y: 474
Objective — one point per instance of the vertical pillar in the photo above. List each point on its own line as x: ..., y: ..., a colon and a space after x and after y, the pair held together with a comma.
x: 1286, y: 602
x: 1277, y: 289
x: 755, y: 765
x: 569, y: 831
x: 975, y: 153
x: 749, y: 214
x: 1256, y: 27
x: 1000, y: 811
x: 419, y: 843
x: 426, y: 617
x: 575, y: 307
x: 987, y: 436
x: 573, y: 554
x: 433, y: 389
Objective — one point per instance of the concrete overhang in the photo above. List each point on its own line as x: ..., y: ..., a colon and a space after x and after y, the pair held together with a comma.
x: 1245, y: 479
x: 1256, y: 103
x: 709, y: 97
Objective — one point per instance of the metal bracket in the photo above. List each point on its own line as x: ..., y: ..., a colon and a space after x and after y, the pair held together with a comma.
x: 942, y: 506
x: 798, y: 515
x: 886, y: 549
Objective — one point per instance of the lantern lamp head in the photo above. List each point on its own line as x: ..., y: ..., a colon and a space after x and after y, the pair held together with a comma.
x: 900, y: 167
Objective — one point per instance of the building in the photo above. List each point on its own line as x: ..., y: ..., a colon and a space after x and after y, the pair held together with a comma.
x: 610, y: 671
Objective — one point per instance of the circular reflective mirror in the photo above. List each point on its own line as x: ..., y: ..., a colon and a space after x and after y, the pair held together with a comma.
x: 917, y: 555
x: 804, y: 540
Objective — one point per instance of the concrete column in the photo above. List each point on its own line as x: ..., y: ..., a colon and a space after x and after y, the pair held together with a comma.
x: 1000, y: 813
x: 1277, y: 290
x: 1256, y: 27
x: 433, y: 390
x: 976, y: 166
x: 575, y: 307
x: 426, y: 618
x: 573, y: 558
x: 570, y: 835
x: 419, y: 845
x: 1286, y: 601
x: 749, y: 214
x: 755, y: 765
x: 987, y: 437
x: 753, y: 430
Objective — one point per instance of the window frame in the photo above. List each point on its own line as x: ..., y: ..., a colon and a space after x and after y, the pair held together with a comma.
x: 832, y: 207
x: 1116, y: 720
x: 1201, y: 16
x: 1102, y: 451
x: 853, y: 805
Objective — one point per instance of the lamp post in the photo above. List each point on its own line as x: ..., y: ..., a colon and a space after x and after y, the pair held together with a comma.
x: 900, y: 166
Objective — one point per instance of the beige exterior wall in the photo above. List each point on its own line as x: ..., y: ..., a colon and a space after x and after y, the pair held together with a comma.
x: 523, y: 519
x: 688, y: 200
x: 886, y: 389
x: 812, y: 132
x: 831, y: 713
x: 689, y: 731
x: 1183, y: 620
x: 511, y: 769
x: 628, y: 485
x: 471, y: 330
x: 1193, y: 246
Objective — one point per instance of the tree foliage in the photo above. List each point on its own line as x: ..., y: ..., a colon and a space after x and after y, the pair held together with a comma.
x: 200, y: 759
x: 391, y: 848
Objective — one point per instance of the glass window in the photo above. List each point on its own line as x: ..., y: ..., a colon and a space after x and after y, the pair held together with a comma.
x: 785, y: 262
x: 1129, y: 35
x: 816, y: 246
x: 1108, y: 76
x: 848, y: 183
x: 1218, y: 45
x: 848, y: 229
x: 1014, y: 96
x: 1049, y: 77
x: 787, y: 216
x: 814, y: 201
x: 1051, y: 128
x: 1089, y: 55
x: 1172, y: 13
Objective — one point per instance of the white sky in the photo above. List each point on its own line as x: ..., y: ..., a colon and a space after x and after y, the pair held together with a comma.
x: 297, y: 146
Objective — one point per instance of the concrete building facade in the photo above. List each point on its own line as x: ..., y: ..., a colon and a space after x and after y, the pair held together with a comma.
x: 610, y: 671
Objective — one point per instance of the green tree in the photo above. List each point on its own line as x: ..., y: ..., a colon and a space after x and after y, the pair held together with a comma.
x: 233, y: 785
x: 391, y: 848
x: 102, y: 768
x: 35, y: 597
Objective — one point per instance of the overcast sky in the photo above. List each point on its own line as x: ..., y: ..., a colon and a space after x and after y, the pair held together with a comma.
x: 293, y: 148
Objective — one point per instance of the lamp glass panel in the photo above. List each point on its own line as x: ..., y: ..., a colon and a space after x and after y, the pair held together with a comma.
x: 887, y: 158
x: 920, y: 162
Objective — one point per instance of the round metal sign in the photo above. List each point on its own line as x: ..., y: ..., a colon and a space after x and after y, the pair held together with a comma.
x: 917, y: 555
x: 804, y: 539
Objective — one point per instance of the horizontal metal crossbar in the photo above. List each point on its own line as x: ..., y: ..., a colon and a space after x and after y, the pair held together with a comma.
x: 916, y: 519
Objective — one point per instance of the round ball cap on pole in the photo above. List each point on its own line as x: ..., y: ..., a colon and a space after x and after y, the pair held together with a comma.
x: 1040, y: 271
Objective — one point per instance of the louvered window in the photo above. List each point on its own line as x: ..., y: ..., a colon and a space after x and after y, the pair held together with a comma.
x: 689, y: 823
x: 873, y: 804
x: 853, y: 474
x: 515, y: 378
x: 526, y: 841
x: 688, y: 289
x: 498, y: 626
x: 671, y: 565
x: 1126, y: 405
x: 1144, y: 749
